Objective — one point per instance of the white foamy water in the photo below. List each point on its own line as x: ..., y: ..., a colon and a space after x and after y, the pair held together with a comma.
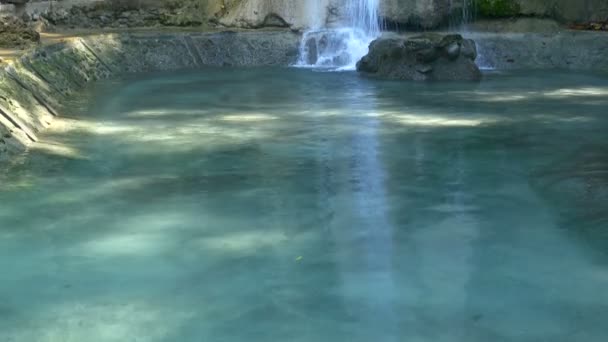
x: 342, y: 47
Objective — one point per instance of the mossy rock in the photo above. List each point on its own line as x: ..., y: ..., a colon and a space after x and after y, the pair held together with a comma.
x: 498, y: 8
x: 14, y: 33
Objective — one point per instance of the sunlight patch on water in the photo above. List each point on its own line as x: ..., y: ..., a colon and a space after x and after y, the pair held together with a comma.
x: 136, y: 244
x: 589, y: 91
x: 430, y: 120
x: 515, y: 95
x: 248, y: 117
x: 56, y: 149
x: 139, y: 235
x: 572, y: 119
x: 66, y: 125
x: 164, y: 112
x: 105, y: 319
x: 187, y: 136
x: 246, y: 241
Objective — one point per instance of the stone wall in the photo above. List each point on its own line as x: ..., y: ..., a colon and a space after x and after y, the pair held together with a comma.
x: 573, y: 50
x: 566, y: 10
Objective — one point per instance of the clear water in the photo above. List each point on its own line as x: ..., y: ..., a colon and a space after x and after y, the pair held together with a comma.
x: 292, y: 205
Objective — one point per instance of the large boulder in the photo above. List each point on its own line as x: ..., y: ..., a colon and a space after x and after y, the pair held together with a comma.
x: 428, y: 57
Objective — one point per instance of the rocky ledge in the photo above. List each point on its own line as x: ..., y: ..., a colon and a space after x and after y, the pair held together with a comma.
x: 14, y: 32
x: 429, y: 57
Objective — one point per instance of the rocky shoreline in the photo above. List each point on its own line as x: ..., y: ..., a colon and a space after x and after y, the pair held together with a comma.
x: 33, y: 87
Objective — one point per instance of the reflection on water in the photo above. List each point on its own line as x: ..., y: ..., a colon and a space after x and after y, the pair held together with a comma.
x: 292, y: 205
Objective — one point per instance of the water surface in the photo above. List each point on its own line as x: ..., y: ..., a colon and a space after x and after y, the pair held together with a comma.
x: 292, y: 205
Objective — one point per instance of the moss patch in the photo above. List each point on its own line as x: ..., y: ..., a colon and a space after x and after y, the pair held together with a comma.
x: 498, y: 8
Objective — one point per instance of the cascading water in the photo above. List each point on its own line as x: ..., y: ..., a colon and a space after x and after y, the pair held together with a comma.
x: 468, y: 12
x: 462, y: 13
x: 343, y: 46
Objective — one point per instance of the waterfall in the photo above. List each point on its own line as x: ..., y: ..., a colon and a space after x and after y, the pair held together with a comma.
x: 343, y: 46
x: 363, y: 15
x: 468, y: 11
x: 462, y: 13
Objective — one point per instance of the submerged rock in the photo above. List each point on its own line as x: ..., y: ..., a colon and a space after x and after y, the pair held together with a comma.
x: 428, y: 57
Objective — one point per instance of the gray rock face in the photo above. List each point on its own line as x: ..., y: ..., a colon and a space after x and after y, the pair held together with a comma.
x: 429, y: 57
x: 573, y: 50
x: 296, y: 14
x: 299, y: 14
x: 566, y: 10
x: 417, y: 13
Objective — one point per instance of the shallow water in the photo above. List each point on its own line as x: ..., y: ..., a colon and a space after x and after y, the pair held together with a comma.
x: 293, y: 205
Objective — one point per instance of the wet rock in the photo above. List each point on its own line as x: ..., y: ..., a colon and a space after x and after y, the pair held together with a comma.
x: 273, y: 20
x: 417, y: 14
x: 429, y: 57
x: 453, y: 51
x: 312, y: 52
x: 469, y: 49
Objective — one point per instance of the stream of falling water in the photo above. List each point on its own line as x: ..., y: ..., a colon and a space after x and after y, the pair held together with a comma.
x: 340, y: 48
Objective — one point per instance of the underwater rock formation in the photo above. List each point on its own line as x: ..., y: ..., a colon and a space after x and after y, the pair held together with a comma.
x: 429, y: 57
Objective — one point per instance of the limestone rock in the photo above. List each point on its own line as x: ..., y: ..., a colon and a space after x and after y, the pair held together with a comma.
x: 305, y: 14
x: 429, y: 57
x: 285, y: 13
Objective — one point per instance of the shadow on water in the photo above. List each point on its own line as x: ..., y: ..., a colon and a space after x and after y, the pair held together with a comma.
x: 292, y: 205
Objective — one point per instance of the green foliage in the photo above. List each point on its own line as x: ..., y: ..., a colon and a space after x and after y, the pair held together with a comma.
x: 498, y: 8
x: 120, y: 5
